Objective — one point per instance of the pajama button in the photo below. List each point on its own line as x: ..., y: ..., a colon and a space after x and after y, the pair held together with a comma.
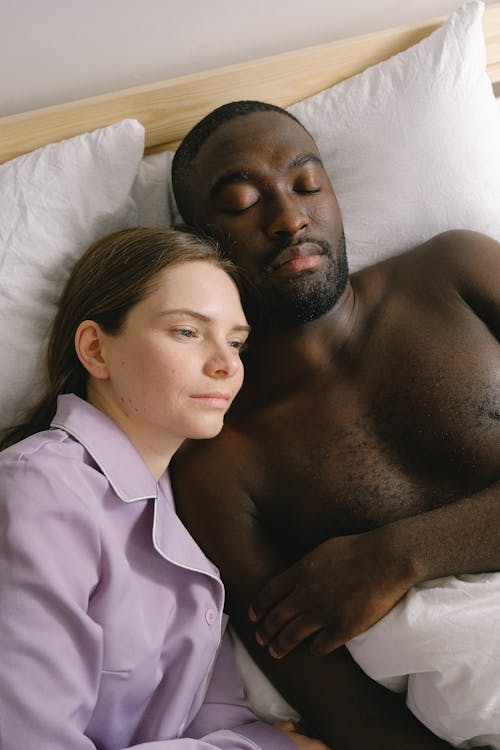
x: 210, y: 616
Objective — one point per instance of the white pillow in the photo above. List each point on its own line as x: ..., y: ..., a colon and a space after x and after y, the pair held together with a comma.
x: 412, y: 145
x: 54, y: 202
x: 153, y: 192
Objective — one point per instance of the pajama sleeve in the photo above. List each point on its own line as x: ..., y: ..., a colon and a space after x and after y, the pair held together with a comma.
x: 225, y: 718
x: 51, y: 649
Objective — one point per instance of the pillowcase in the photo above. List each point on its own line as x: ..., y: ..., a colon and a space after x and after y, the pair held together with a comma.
x: 153, y: 193
x: 411, y: 145
x: 54, y: 203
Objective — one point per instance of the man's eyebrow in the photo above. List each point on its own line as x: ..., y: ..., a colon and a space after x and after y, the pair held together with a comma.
x: 199, y: 316
x: 301, y: 159
x: 246, y: 175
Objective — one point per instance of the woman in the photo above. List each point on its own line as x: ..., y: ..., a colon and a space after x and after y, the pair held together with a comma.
x: 111, y: 616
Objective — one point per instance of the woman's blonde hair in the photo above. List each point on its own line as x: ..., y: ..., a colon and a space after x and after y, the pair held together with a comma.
x: 112, y: 276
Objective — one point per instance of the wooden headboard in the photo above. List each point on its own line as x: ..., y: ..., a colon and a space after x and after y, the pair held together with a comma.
x: 168, y: 109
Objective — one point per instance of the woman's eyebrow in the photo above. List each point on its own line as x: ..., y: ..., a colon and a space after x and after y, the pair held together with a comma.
x: 185, y: 311
x: 200, y: 316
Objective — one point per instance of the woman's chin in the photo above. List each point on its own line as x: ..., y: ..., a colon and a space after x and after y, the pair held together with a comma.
x: 209, y: 429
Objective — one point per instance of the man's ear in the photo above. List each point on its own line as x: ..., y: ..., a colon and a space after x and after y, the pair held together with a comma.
x: 89, y: 346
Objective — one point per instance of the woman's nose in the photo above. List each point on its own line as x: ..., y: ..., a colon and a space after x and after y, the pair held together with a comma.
x: 223, y: 362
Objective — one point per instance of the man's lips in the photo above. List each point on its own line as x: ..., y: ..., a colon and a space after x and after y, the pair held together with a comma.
x: 296, y: 258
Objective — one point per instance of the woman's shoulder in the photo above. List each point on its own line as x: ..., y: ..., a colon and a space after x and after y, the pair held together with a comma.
x: 42, y: 449
x: 49, y: 466
x: 50, y: 514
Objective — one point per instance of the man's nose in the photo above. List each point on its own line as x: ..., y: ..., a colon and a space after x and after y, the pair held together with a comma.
x: 287, y: 216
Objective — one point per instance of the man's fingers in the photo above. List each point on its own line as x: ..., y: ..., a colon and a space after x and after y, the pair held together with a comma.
x: 327, y: 641
x: 272, y: 593
x: 275, y: 620
x: 291, y: 636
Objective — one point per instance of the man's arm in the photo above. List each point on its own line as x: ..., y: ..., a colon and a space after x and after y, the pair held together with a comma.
x: 347, y: 709
x: 348, y: 583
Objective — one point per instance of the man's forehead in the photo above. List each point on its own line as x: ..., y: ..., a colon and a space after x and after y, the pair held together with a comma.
x: 252, y: 138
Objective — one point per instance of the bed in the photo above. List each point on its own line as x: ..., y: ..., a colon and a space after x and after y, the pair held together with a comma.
x: 168, y: 109
x: 383, y: 108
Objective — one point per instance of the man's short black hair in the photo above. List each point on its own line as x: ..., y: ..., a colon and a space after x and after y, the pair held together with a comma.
x: 194, y: 140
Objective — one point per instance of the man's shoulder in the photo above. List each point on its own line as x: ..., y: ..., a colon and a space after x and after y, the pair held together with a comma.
x: 458, y: 246
x: 210, y: 479
x: 451, y: 256
x: 199, y: 461
x: 465, y: 260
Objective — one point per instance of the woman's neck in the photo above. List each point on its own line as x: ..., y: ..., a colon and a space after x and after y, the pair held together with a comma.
x: 153, y: 445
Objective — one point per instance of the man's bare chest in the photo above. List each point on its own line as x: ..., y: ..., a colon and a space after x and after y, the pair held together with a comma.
x: 345, y: 454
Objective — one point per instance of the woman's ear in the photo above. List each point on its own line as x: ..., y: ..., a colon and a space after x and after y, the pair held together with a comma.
x: 89, y: 347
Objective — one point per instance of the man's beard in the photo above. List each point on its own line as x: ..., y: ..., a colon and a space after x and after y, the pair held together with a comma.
x: 301, y: 298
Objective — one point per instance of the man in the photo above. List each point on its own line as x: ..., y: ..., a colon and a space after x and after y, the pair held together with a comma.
x: 363, y: 449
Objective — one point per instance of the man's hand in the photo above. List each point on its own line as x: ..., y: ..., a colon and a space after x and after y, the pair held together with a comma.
x: 335, y: 592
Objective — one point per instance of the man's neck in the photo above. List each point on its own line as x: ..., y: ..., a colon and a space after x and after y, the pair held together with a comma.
x: 281, y: 355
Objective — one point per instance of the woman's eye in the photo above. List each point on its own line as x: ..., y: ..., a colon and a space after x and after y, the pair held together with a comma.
x: 238, y: 345
x: 186, y: 333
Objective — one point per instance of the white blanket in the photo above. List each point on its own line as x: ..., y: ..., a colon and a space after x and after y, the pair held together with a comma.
x: 441, y: 644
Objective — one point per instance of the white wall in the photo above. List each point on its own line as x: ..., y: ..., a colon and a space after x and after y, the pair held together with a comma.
x: 53, y: 51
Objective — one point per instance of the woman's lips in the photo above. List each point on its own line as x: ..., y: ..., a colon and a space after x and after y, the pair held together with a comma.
x: 215, y: 400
